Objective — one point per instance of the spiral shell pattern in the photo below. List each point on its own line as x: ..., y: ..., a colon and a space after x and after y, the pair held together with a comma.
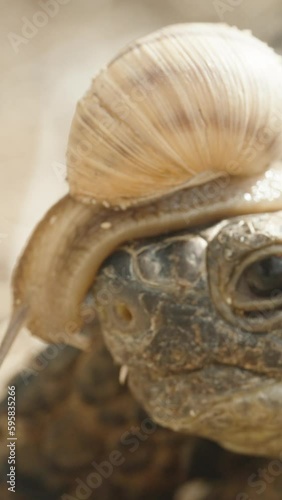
x: 177, y: 107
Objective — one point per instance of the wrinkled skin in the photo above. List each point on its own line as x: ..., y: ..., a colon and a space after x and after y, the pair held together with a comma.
x: 166, y: 309
x: 197, y: 319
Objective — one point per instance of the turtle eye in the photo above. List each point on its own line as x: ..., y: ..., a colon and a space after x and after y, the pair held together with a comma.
x: 265, y: 276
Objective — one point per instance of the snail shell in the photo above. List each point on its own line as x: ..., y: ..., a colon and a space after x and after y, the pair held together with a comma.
x: 187, y: 100
x: 173, y: 111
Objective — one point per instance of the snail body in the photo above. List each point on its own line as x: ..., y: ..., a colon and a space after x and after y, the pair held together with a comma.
x: 171, y: 114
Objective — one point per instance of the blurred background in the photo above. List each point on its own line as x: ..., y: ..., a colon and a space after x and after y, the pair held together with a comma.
x: 50, y: 50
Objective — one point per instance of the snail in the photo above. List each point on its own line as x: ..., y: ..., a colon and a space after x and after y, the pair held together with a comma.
x: 180, y: 132
x: 173, y: 113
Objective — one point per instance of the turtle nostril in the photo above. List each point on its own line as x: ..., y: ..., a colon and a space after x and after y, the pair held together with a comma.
x: 123, y: 312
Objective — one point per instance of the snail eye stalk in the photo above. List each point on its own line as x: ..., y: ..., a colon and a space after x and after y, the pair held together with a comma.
x: 16, y: 323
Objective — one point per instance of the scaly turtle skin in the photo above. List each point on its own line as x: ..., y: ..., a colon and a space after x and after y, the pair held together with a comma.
x: 197, y: 319
x: 75, y: 412
x: 193, y: 351
x: 72, y: 411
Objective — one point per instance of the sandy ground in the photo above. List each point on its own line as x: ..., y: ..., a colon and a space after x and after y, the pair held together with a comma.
x: 44, y: 70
